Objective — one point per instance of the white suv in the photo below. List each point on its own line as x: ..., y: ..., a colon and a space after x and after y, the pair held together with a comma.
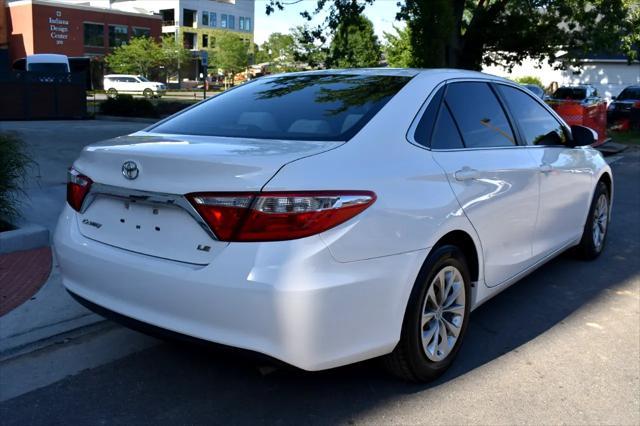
x: 122, y: 83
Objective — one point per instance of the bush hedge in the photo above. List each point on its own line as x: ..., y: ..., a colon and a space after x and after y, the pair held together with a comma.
x: 14, y: 162
x: 128, y: 106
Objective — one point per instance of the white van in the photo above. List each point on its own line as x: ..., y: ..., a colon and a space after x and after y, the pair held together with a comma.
x: 124, y: 83
x: 47, y: 62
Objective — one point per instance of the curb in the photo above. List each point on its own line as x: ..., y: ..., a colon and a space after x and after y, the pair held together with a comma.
x: 30, y: 236
x: 129, y: 119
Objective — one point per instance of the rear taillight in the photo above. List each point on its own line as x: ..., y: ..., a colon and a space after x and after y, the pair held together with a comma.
x: 78, y: 186
x: 278, y: 216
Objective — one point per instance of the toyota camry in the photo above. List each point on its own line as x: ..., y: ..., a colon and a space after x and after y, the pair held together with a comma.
x: 324, y: 218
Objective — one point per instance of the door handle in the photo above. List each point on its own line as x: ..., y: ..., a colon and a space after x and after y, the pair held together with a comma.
x: 466, y: 173
x: 546, y: 168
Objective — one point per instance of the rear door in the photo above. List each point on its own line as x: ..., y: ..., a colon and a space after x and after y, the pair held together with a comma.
x: 564, y: 173
x: 494, y: 179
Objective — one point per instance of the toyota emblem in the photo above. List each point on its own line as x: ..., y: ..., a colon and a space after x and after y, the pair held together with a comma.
x: 130, y: 170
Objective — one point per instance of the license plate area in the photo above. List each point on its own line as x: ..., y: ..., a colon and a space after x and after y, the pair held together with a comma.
x: 165, y: 231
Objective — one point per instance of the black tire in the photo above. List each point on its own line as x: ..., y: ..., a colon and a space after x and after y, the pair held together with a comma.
x: 112, y: 93
x: 587, y: 249
x: 408, y: 360
x: 147, y: 93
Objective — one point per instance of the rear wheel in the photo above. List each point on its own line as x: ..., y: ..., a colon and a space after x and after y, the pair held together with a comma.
x: 436, y: 318
x: 148, y: 93
x: 112, y: 93
x: 595, y: 229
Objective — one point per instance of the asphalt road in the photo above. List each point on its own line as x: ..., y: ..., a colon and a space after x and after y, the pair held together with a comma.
x: 560, y: 347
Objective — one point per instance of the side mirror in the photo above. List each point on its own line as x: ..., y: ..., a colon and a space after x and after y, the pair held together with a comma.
x: 583, y: 136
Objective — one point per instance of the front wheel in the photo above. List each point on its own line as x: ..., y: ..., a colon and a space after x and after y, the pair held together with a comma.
x: 596, y: 227
x: 436, y: 318
x: 112, y: 93
x: 147, y: 93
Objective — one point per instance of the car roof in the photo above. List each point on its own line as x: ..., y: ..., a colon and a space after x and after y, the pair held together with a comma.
x: 120, y: 75
x: 445, y: 73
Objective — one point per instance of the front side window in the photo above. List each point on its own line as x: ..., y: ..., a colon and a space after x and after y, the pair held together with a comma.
x: 478, y: 115
x: 118, y: 35
x: 93, y: 35
x: 537, y: 125
x: 325, y: 107
x: 630, y: 93
x: 570, y: 93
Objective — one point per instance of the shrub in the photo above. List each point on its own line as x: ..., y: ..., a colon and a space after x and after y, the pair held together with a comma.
x: 128, y: 106
x: 529, y: 79
x: 14, y: 162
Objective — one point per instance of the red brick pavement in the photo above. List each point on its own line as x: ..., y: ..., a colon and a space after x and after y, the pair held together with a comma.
x: 22, y: 273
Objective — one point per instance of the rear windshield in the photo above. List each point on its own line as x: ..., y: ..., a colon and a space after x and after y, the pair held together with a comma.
x: 324, y: 107
x: 630, y: 93
x: 48, y: 67
x: 574, y: 93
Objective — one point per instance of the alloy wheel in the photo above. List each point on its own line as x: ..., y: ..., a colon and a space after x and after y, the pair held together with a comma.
x: 600, y: 221
x: 443, y: 313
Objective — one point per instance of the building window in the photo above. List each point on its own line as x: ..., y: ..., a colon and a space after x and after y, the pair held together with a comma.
x: 205, y: 40
x: 223, y: 21
x: 231, y: 22
x: 141, y: 32
x: 118, y: 35
x: 212, y: 19
x: 241, y: 23
x: 93, y: 35
x: 205, y: 18
x: 247, y: 24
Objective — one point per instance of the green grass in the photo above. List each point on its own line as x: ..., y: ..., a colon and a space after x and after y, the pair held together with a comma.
x: 14, y: 163
x: 631, y: 137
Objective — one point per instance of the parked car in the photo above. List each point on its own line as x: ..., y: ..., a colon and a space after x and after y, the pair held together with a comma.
x: 536, y: 90
x: 584, y: 94
x: 286, y: 216
x: 622, y: 105
x: 132, y: 84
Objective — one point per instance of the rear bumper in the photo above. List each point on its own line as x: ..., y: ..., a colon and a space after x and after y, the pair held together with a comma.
x: 290, y: 300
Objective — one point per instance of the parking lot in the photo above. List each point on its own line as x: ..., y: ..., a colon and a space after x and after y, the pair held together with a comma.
x: 561, y: 346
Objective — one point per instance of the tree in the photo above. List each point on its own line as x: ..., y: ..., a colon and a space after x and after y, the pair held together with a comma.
x: 279, y: 50
x: 174, y: 55
x: 306, y: 50
x: 139, y: 56
x: 232, y: 54
x: 397, y: 48
x: 354, y: 45
x: 470, y: 33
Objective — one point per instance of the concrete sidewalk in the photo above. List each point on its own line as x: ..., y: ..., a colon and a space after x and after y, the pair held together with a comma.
x: 54, y: 145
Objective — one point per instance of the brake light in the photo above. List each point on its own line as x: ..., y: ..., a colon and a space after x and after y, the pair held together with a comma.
x: 78, y: 186
x: 278, y: 216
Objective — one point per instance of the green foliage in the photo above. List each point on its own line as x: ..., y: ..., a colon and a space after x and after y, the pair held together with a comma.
x: 14, y: 163
x: 174, y: 55
x: 472, y: 33
x: 139, y: 56
x: 232, y: 55
x: 128, y: 106
x: 279, y: 50
x: 354, y: 45
x: 529, y: 79
x: 306, y: 50
x: 397, y: 48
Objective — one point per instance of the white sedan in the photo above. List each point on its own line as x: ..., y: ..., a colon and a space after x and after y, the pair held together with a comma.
x: 328, y: 217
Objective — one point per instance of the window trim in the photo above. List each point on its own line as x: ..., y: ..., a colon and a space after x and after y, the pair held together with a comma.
x: 409, y: 136
x: 134, y: 28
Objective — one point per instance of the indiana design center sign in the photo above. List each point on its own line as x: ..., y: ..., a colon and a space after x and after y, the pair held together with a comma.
x: 59, y: 28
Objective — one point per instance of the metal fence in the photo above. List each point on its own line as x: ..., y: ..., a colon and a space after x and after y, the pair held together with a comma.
x: 40, y: 96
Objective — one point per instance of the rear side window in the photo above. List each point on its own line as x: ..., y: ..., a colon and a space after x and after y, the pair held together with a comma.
x: 324, y: 107
x: 537, y: 125
x: 445, y: 134
x: 428, y: 119
x: 479, y: 115
x: 571, y: 93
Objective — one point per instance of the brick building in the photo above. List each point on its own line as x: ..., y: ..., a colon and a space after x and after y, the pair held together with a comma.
x: 43, y: 26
